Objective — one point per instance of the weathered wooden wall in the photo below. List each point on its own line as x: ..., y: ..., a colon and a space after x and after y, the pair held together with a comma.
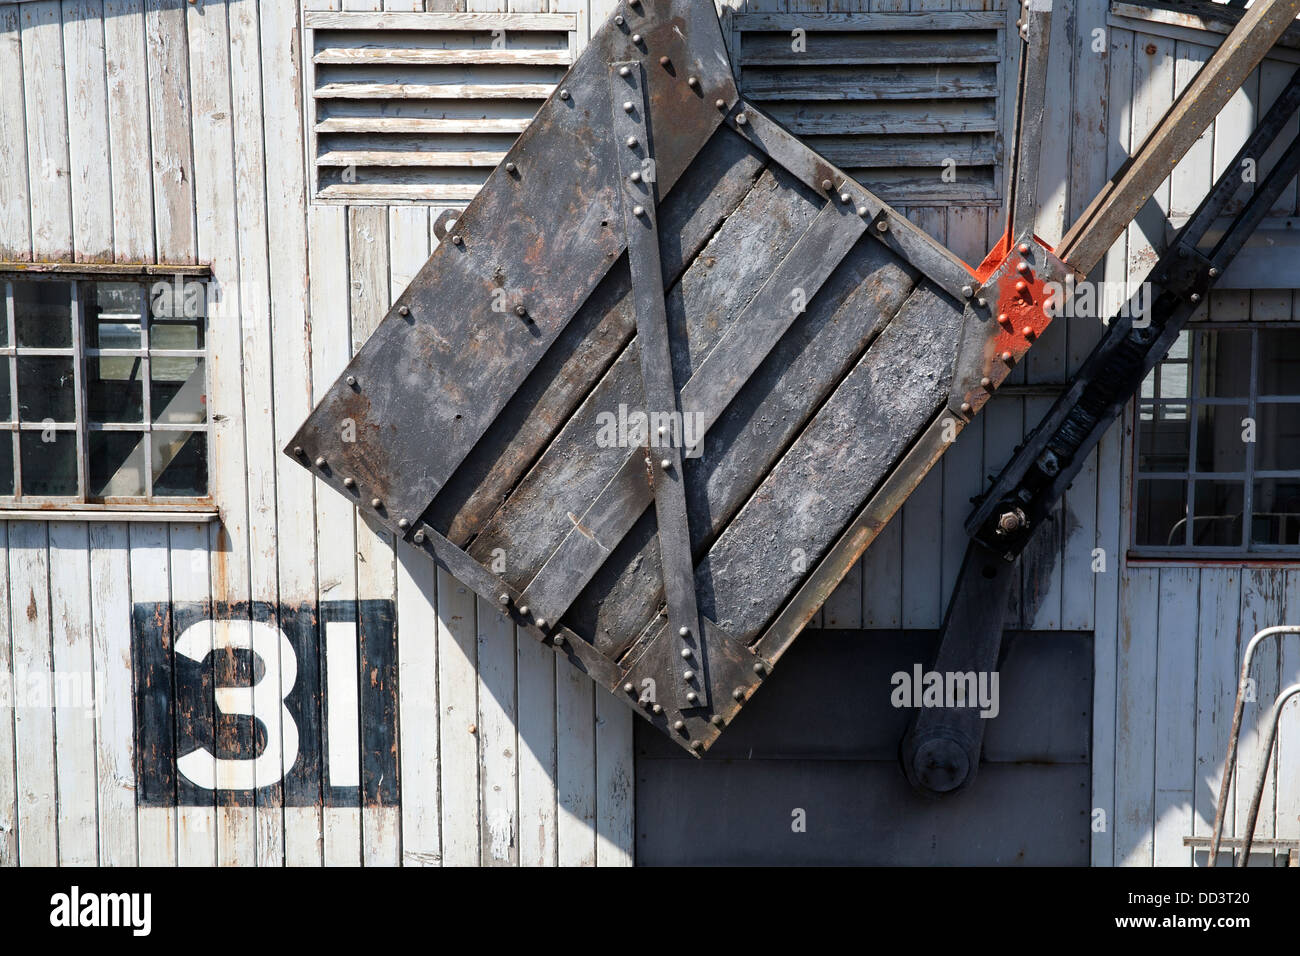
x: 163, y: 131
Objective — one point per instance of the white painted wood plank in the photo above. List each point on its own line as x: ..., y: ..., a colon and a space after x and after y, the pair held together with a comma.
x: 1217, y: 668
x: 1041, y: 577
x: 15, y: 198
x: 1078, y: 558
x: 191, y: 583
x: 615, y: 782
x: 1232, y: 126
x: 87, y: 98
x: 8, y: 767
x: 48, y: 161
x: 1134, y: 819
x: 843, y: 609
x: 575, y: 777
x: 170, y: 130
x: 457, y: 728
x: 535, y: 664
x: 128, y: 137
x: 217, y: 198
x: 1110, y: 501
x: 1263, y: 596
x: 1119, y: 125
x: 882, y: 584
x: 1175, y: 730
x: 417, y: 684
x: 498, y: 765
x: 74, y: 691
x: 922, y: 527
x: 151, y: 584
x: 1287, y: 755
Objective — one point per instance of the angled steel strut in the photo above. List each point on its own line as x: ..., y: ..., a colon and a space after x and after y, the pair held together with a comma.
x: 940, y: 752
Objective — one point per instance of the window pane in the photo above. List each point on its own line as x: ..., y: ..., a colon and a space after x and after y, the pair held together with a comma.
x: 1172, y: 381
x: 178, y: 390
x: 1163, y: 438
x: 46, y: 389
x: 43, y: 314
x: 180, y: 463
x: 1279, y: 362
x: 49, y: 467
x: 116, y: 464
x: 1216, y: 514
x: 1219, y: 443
x: 1223, y: 366
x: 1277, y: 445
x: 1161, y: 513
x: 175, y: 335
x: 115, y: 389
x: 6, y: 463
x: 113, y: 319
x: 1276, y: 518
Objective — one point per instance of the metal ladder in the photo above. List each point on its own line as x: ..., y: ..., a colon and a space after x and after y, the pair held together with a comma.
x: 1230, y: 763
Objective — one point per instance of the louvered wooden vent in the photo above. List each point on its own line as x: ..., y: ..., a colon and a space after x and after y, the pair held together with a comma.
x: 893, y: 99
x: 420, y: 107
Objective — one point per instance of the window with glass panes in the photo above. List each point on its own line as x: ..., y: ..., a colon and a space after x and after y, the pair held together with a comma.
x: 1218, y: 444
x: 103, y: 393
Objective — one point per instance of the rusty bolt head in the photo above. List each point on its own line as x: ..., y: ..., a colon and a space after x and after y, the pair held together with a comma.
x: 1023, y: 248
x: 1009, y: 521
x: 1029, y: 333
x: 986, y: 382
x: 418, y: 537
x: 738, y: 693
x: 826, y: 185
x: 967, y: 291
x: 1004, y: 319
x: 320, y: 462
x: 1022, y: 267
x: 472, y: 728
x: 965, y: 408
x: 456, y: 240
x: 521, y: 311
x: 1006, y: 357
x: 1021, y: 286
x: 717, y: 720
x: 511, y: 167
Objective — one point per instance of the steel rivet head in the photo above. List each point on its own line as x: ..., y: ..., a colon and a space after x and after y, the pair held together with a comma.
x: 635, y: 177
x: 688, y: 675
x: 403, y: 524
x: 967, y: 291
x: 376, y: 503
x: 352, y: 379
x: 320, y: 462
x: 404, y: 310
x: 684, y: 632
x: 985, y: 382
x: 741, y: 119
x: 1028, y: 332
x: 624, y: 71
x: 628, y: 688
x: 632, y: 142
x: 349, y: 482
x: 738, y: 693
x: 1022, y: 267
x: 521, y: 311
x: 456, y: 240
x: 1006, y: 357
x: 717, y: 720
x: 627, y: 106
x: 692, y: 697
x: 564, y: 94
x: 692, y: 82
x: 639, y: 211
x: 619, y: 19
x: 759, y: 668
x: 1196, y: 297
x: 983, y: 302
x: 826, y: 185
x: 1004, y: 319
x: 541, y: 622
x: 663, y: 61
x: 503, y: 598
x: 883, y: 225
x: 657, y: 708
x: 418, y: 537
x: 1023, y: 248
x: 297, y: 450
x: 686, y: 652
x: 845, y: 197
x: 523, y: 609
x: 696, y: 745
x: 679, y: 725
x: 666, y: 463
x: 1021, y: 286
x: 720, y: 104
x: 1214, y: 273
x: 511, y: 167
x: 636, y: 38
x: 965, y: 408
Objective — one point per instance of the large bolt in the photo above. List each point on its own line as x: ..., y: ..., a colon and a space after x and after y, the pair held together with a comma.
x: 940, y: 765
x: 1010, y: 521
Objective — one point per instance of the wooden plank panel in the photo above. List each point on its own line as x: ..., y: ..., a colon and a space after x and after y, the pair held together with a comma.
x: 128, y: 137
x: 8, y: 753
x: 1110, y: 502
x: 87, y: 97
x: 1175, y: 728
x: 1288, y: 731
x: 1041, y: 579
x: 1263, y: 597
x: 614, y: 782
x: 1217, y: 667
x: 497, y: 713
x: 1134, y: 817
x: 191, y: 583
x: 29, y: 568
x: 74, y: 693
x: 457, y: 728
x: 47, y: 130
x: 15, y: 205
x: 575, y: 774
x: 1004, y: 424
x: 535, y: 717
x: 151, y: 585
x: 170, y: 130
x: 417, y: 682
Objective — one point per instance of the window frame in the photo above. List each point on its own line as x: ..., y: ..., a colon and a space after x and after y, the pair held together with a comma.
x: 1246, y: 552
x: 81, y: 279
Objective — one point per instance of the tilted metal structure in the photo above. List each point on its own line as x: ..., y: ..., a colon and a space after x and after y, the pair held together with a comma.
x: 672, y: 371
